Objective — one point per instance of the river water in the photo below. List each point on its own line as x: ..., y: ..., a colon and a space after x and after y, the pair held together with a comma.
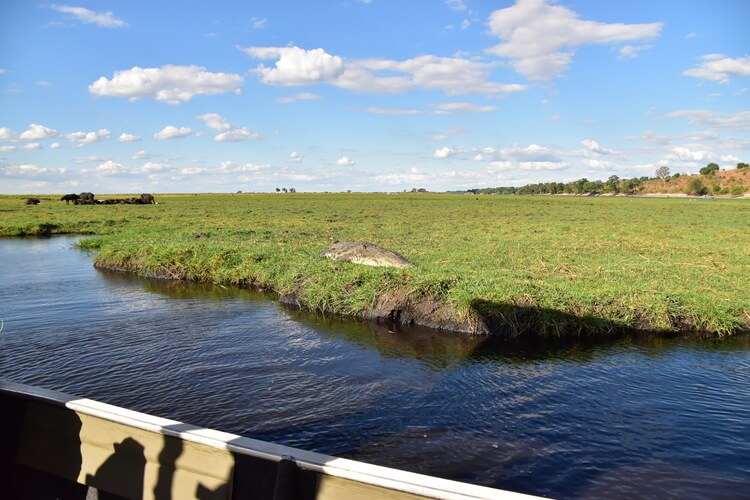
x: 651, y: 418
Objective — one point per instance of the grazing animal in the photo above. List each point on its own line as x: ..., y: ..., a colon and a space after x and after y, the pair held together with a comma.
x: 147, y: 199
x: 85, y: 199
x: 33, y: 201
x: 367, y: 254
x: 69, y: 197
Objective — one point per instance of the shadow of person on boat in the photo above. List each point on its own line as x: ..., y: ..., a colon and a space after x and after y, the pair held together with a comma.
x: 123, y: 471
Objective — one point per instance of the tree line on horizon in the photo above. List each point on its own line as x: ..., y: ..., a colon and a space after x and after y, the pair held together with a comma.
x: 616, y: 185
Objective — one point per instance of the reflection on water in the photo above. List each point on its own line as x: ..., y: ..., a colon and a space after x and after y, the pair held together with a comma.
x: 646, y: 417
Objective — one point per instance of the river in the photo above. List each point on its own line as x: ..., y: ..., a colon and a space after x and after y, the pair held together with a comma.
x: 644, y: 417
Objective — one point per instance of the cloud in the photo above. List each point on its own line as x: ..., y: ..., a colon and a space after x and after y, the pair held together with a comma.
x: 296, y: 66
x: 457, y: 5
x: 464, y: 106
x: 37, y: 133
x: 80, y: 139
x: 543, y: 165
x: 90, y: 159
x: 230, y: 166
x: 445, y: 152
x: 392, y: 111
x: 31, y: 170
x: 631, y: 51
x: 344, y: 161
x: 54, y: 145
x: 141, y: 155
x: 294, y: 157
x: 171, y: 84
x: 236, y: 135
x: 687, y: 154
x: 302, y: 96
x: 128, y: 138
x: 172, y: 132
x: 81, y: 14
x: 214, y: 121
x: 720, y: 68
x: 259, y: 23
x: 712, y: 119
x: 7, y: 134
x: 497, y: 166
x: 228, y: 133
x: 110, y: 167
x: 412, y: 176
x: 7, y: 149
x: 595, y: 149
x: 32, y: 146
x: 452, y: 75
x: 541, y: 39
x: 533, y: 153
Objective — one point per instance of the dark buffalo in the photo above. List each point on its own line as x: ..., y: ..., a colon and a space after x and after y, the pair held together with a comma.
x: 147, y: 199
x: 33, y: 201
x: 85, y: 199
x: 69, y: 197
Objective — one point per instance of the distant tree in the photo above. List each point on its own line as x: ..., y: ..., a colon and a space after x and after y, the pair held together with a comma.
x: 709, y: 169
x: 613, y: 184
x: 284, y: 189
x: 278, y: 190
x: 740, y: 166
x: 630, y: 186
x: 676, y: 175
x: 292, y: 190
x: 695, y: 187
x: 662, y: 173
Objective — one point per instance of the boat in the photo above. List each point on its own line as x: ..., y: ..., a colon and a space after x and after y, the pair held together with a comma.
x: 55, y: 445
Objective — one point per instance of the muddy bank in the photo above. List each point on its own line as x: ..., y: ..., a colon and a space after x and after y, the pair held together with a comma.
x: 412, y: 308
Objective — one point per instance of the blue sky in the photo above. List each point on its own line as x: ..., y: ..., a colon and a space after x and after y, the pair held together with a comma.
x: 377, y: 95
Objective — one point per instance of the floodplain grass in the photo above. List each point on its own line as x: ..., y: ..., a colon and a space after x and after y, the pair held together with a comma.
x: 544, y: 265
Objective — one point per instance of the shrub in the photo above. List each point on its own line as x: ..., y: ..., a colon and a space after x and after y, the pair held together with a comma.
x: 738, y: 191
x: 695, y: 187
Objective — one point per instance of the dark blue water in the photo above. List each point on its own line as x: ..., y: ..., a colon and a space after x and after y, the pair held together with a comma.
x: 650, y: 418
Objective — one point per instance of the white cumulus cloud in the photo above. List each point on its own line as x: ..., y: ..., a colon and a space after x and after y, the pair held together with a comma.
x: 37, y: 132
x: 533, y: 153
x: 541, y: 38
x: 7, y: 149
x: 294, y: 157
x: 80, y: 139
x: 54, y: 145
x: 720, y: 68
x: 128, y: 138
x: 214, y: 121
x: 87, y: 16
x: 344, y: 161
x: 32, y: 146
x: 236, y: 135
x: 445, y: 152
x: 141, y: 155
x: 296, y: 66
x: 171, y: 84
x: 172, y: 132
x: 452, y: 75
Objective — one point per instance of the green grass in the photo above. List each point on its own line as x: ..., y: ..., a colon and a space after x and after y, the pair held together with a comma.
x: 532, y: 265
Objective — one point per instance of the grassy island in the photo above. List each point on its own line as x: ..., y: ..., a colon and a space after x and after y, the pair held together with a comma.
x: 548, y: 266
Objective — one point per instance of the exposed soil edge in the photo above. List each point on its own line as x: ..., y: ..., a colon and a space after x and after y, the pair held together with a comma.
x: 412, y: 308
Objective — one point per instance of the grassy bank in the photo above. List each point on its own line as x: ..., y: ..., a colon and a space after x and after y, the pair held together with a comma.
x: 520, y: 265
